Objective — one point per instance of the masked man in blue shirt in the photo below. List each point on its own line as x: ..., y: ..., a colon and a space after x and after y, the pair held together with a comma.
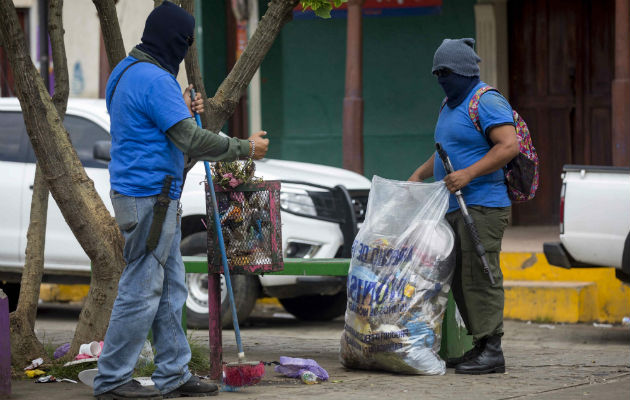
x: 478, y: 159
x: 152, y: 128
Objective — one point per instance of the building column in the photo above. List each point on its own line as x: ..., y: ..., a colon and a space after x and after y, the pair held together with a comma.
x: 491, y: 28
x: 352, y: 140
x: 621, y: 86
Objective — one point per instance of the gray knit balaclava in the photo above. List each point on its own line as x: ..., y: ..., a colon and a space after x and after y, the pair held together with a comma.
x: 458, y: 55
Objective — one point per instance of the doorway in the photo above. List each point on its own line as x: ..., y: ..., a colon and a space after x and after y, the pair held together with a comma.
x: 561, y: 64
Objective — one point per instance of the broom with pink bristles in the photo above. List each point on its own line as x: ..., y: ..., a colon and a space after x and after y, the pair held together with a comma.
x: 242, y: 372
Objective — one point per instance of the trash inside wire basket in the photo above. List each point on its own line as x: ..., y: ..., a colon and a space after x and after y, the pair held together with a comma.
x: 250, y: 221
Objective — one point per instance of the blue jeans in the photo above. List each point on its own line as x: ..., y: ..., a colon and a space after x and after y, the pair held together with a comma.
x: 151, y: 294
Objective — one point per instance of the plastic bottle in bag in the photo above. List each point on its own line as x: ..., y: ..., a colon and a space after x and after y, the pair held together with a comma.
x: 308, y: 377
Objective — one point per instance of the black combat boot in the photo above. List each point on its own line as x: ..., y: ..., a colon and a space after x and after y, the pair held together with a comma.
x: 194, y: 387
x: 131, y: 390
x: 469, y: 355
x: 489, y: 360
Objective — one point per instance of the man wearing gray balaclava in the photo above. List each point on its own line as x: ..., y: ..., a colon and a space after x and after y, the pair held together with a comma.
x: 478, y: 150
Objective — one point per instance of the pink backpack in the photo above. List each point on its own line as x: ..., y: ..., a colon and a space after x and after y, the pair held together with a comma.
x: 521, y: 174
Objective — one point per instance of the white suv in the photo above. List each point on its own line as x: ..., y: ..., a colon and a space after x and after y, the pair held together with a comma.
x: 313, y: 222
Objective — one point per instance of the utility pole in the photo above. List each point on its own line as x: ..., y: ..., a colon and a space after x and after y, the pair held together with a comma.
x: 353, y: 100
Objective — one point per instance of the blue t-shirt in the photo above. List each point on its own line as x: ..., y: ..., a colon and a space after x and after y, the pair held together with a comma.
x: 147, y: 102
x: 465, y: 145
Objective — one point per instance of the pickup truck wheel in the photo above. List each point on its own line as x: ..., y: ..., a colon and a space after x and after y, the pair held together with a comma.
x: 316, y: 307
x: 246, y: 289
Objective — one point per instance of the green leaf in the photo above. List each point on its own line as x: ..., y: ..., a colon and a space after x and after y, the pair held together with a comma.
x: 324, y: 11
x: 321, y: 8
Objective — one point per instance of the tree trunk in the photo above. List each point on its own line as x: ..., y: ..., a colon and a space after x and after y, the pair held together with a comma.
x: 24, y: 342
x: 114, y: 46
x: 157, y: 3
x: 60, y: 62
x: 222, y: 105
x: 193, y: 70
x: 73, y: 191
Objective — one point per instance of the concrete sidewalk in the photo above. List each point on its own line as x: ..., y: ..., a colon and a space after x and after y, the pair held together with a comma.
x: 561, y: 361
x: 529, y: 239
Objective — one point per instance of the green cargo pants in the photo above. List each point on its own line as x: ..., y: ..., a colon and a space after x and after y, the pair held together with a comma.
x: 479, y: 302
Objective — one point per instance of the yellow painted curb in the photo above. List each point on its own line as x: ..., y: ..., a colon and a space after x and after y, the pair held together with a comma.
x: 63, y: 293
x: 270, y: 301
x: 610, y: 301
x: 550, y: 301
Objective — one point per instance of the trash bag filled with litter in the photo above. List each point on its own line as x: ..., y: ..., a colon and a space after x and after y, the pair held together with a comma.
x: 399, y: 278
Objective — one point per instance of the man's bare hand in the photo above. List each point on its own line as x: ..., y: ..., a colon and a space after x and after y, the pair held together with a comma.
x: 457, y: 180
x: 195, y: 106
x: 261, y: 144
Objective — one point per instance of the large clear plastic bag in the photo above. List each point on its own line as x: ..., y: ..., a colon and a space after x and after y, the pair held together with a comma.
x: 399, y: 279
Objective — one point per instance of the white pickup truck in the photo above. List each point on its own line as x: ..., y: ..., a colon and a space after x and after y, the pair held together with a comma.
x: 594, y: 220
x: 311, y: 223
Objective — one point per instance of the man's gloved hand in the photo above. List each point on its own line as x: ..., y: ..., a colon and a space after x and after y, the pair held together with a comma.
x: 260, y: 144
x: 197, y: 105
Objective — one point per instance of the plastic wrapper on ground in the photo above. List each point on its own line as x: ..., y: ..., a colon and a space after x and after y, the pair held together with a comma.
x: 399, y: 278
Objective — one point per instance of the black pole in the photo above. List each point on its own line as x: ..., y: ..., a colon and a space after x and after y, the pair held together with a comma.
x: 470, y: 224
x: 42, y: 6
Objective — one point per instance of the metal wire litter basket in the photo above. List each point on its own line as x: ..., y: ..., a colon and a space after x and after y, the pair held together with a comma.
x: 250, y: 221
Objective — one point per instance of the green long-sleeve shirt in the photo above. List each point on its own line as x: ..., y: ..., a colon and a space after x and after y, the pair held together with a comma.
x: 199, y: 143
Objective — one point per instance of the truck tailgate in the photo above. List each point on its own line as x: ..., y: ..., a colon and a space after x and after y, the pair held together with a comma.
x: 596, y: 213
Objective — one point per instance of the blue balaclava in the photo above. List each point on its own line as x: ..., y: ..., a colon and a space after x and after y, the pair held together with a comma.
x: 458, y: 56
x: 168, y: 33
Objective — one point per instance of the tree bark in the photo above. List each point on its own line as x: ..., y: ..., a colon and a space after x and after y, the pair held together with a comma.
x: 157, y: 3
x: 193, y: 69
x: 24, y: 342
x: 73, y: 191
x: 112, y: 36
x: 222, y: 105
x: 60, y: 62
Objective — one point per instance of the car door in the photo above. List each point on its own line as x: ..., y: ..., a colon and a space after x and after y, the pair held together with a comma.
x: 63, y: 251
x: 13, y: 150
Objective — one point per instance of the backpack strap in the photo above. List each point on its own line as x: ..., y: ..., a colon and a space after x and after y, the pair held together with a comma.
x: 473, y: 106
x: 443, y: 104
x: 111, y: 96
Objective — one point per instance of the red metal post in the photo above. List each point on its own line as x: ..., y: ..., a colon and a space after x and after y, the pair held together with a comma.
x: 353, y: 100
x: 5, y: 347
x: 621, y: 86
x: 214, y: 326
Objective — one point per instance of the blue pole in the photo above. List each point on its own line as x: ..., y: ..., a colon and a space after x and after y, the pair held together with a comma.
x: 226, y: 269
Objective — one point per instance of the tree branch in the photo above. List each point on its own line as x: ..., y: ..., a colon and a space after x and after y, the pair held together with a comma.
x: 56, y: 32
x: 193, y: 70
x: 225, y: 100
x: 157, y: 3
x: 114, y: 46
